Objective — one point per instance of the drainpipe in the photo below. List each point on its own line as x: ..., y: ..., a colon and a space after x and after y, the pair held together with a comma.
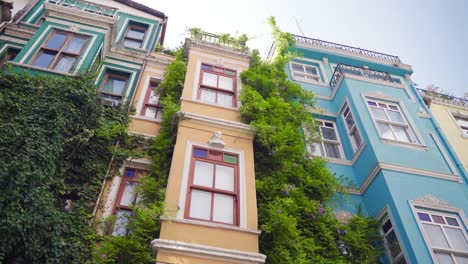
x: 439, y: 131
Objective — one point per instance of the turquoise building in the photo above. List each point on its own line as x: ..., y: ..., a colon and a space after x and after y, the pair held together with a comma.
x: 378, y: 134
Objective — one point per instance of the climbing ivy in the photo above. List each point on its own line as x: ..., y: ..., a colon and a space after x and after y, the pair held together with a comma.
x: 292, y: 189
x: 55, y: 146
x: 144, y: 224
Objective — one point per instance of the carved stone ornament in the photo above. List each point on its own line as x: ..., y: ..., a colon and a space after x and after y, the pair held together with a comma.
x: 216, y: 141
x: 431, y: 200
x: 343, y: 216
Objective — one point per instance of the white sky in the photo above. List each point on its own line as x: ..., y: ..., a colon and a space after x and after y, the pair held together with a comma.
x: 430, y: 35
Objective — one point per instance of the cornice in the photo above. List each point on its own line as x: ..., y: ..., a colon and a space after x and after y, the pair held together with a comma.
x: 430, y: 200
x: 125, y: 55
x: 18, y: 31
x: 218, y: 122
x: 216, y: 49
x: 80, y: 16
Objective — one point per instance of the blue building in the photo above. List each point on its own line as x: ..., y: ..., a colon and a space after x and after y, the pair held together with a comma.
x: 378, y: 134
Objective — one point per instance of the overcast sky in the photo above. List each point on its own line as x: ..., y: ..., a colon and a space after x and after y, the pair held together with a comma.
x: 430, y: 35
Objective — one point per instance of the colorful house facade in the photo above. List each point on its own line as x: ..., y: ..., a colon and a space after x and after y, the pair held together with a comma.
x: 377, y: 133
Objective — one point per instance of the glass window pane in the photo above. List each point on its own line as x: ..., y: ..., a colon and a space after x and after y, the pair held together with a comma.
x: 443, y: 258
x: 210, y: 79
x: 385, y: 131
x: 386, y: 226
x: 402, y: 260
x: 200, y: 205
x: 401, y: 134
x: 114, y: 85
x: 56, y: 41
x: 136, y: 33
x: 132, y: 43
x: 349, y: 121
x: 44, y: 59
x: 424, y: 217
x: 451, y: 221
x: 357, y: 138
x: 230, y: 159
x: 379, y: 113
x: 393, y: 245
x: 128, y: 195
x: 311, y: 70
x: 202, y: 153
x: 371, y: 103
x: 297, y: 67
x: 300, y: 76
x: 203, y: 174
x: 229, y: 72
x: 159, y: 114
x: 317, y: 149
x: 457, y: 238
x: 75, y: 45
x: 120, y: 226
x: 332, y: 150
x: 395, y: 116
x: 394, y: 107
x: 224, y: 178
x: 436, y: 237
x: 206, y: 67
x: 328, y: 133
x: 225, y: 99
x: 65, y: 64
x: 461, y: 259
x: 130, y: 173
x: 226, y: 83
x: 151, y: 112
x: 438, y: 219
x: 208, y: 96
x: 223, y: 208
x: 153, y: 98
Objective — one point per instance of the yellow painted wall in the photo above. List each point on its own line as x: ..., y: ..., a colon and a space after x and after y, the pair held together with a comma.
x: 171, y: 257
x: 451, y: 130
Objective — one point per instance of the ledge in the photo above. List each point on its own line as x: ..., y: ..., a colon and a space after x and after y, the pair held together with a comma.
x: 211, y: 225
x: 218, y: 122
x: 40, y: 68
x: 216, y: 49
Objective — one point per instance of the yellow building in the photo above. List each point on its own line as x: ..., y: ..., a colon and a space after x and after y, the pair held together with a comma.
x: 451, y: 113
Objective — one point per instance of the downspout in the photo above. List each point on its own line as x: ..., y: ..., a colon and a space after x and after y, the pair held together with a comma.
x: 439, y: 131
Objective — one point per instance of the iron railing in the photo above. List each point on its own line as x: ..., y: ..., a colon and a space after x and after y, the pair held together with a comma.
x: 443, y: 97
x: 348, y: 69
x: 218, y: 39
x: 87, y: 7
x: 364, y: 52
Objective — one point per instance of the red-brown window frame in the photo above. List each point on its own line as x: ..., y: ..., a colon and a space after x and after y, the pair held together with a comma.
x: 60, y: 52
x: 131, y: 26
x: 146, y: 103
x: 192, y: 186
x: 216, y: 89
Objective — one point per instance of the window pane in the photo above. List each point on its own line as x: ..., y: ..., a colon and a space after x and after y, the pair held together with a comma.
x: 65, y: 64
x: 44, y: 59
x: 461, y: 259
x: 223, y: 208
x: 300, y: 76
x: 120, y: 226
x: 451, y: 221
x: 385, y: 131
x: 151, y: 112
x: 438, y: 219
x: 153, y: 98
x: 386, y: 226
x: 332, y: 150
x: 159, y: 114
x: 206, y: 67
x: 128, y: 195
x: 203, y: 174
x: 349, y: 121
x: 402, y: 260
x: 75, y: 45
x: 130, y: 173
x: 297, y: 67
x: 200, y: 205
x: 317, y: 149
x: 56, y: 41
x: 401, y: 134
x: 132, y: 43
x: 208, y: 96
x: 311, y: 70
x: 224, y: 178
x: 136, y: 33
x: 443, y: 258
x: 225, y: 99
x: 393, y: 245
x: 379, y: 113
x: 328, y: 133
x: 226, y: 83
x: 210, y: 79
x: 436, y: 237
x: 357, y: 138
x: 424, y: 217
x: 457, y: 238
x: 203, y: 153
x: 230, y: 159
x: 114, y: 85
x: 395, y: 116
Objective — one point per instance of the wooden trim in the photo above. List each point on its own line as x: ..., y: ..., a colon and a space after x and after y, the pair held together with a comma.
x: 216, y: 89
x: 131, y: 26
x: 146, y: 102
x: 106, y: 78
x: 123, y: 181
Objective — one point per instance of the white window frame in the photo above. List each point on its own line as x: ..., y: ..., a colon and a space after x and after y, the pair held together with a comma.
x: 313, y: 147
x: 413, y: 139
x: 354, y: 128
x: 460, y: 115
x: 400, y: 255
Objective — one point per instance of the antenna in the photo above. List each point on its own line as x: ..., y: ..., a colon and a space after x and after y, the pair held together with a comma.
x: 297, y: 23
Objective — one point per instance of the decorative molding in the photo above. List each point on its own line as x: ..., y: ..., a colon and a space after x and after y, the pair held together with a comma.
x: 18, y: 31
x: 207, y: 251
x: 78, y: 15
x: 431, y: 200
x: 216, y: 49
x: 125, y: 55
x: 217, y: 122
x: 210, y: 224
x: 216, y: 141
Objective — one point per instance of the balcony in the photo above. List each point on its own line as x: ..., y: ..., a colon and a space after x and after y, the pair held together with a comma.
x: 429, y: 96
x: 349, y: 49
x: 88, y: 7
x: 224, y: 40
x: 342, y: 69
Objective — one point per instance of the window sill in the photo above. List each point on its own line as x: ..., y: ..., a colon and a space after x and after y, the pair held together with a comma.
x: 343, y: 161
x: 404, y: 144
x: 41, y: 69
x: 211, y: 225
x: 133, y: 49
x: 140, y: 117
x: 322, y: 84
x: 214, y: 105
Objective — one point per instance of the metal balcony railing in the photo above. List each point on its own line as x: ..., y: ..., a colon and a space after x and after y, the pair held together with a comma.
x: 443, y: 97
x: 348, y: 69
x: 354, y: 50
x: 88, y: 7
x: 218, y: 39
